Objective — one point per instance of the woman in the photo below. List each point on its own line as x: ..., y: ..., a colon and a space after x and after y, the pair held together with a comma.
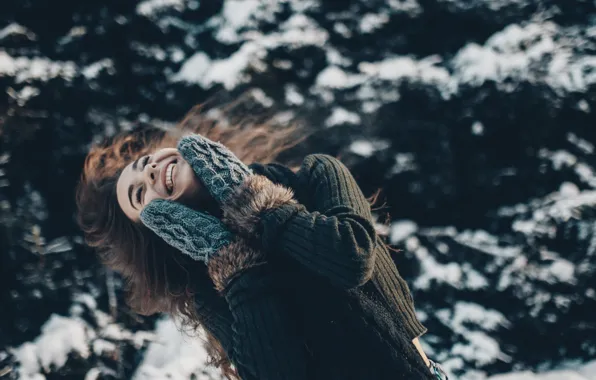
x: 283, y: 269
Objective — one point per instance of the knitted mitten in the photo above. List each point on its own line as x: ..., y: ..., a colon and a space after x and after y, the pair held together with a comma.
x: 194, y: 233
x: 220, y: 171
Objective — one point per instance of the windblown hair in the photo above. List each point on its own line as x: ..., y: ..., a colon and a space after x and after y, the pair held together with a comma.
x: 158, y: 277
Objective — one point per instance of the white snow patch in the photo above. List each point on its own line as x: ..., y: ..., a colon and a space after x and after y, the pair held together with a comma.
x: 292, y: 96
x: 472, y: 322
x: 401, y: 230
x: 486, y: 243
x: 477, y: 128
x: 584, y: 145
x: 59, y: 337
x: 23, y: 95
x: 514, y: 52
x: 586, y: 371
x: 194, y: 69
x: 175, y: 356
x: 28, y: 69
x: 480, y: 348
x: 372, y: 21
x: 433, y: 271
x: 14, y: 28
x: 404, y: 162
x: 262, y: 98
x: 560, y: 270
x: 367, y: 148
x: 410, y: 7
x: 150, y: 7
x: 235, y: 15
x: 93, y: 69
x: 342, y: 116
x: 405, y: 68
x: 297, y: 31
x: 334, y: 77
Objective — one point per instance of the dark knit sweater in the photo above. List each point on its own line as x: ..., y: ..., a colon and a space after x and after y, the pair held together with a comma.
x: 329, y: 303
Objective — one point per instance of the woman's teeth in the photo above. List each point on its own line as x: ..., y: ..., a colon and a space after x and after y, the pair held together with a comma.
x: 169, y: 181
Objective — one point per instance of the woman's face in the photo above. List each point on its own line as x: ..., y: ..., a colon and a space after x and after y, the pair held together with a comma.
x: 163, y: 174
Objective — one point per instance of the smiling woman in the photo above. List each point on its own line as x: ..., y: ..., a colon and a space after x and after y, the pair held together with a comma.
x: 276, y: 264
x: 157, y: 276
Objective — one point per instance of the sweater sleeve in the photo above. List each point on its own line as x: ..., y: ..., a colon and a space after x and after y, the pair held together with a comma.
x: 337, y: 238
x: 266, y: 344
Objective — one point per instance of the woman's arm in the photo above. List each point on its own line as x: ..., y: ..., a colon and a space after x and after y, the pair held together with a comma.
x: 265, y: 343
x: 336, y: 240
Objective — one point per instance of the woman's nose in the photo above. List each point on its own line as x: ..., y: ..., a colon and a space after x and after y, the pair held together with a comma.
x: 151, y: 172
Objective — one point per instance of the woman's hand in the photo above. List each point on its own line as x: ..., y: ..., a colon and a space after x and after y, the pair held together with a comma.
x: 242, y: 195
x: 203, y: 237
x: 220, y: 171
x: 194, y: 233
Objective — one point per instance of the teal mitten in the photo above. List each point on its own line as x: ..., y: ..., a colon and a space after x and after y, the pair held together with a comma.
x: 194, y: 233
x: 220, y: 171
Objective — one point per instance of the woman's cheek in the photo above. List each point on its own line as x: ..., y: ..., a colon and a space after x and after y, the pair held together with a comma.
x: 149, y: 196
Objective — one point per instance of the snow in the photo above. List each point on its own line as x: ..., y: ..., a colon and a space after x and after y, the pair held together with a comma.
x: 175, y: 356
x: 487, y: 243
x: 367, y: 148
x: 235, y: 16
x: 515, y: 51
x: 560, y: 270
x: 586, y: 371
x: 29, y: 69
x: 405, y: 68
x: 433, y: 271
x: 410, y: 7
x: 342, y: 116
x: 292, y: 96
x: 334, y: 77
x: 584, y: 145
x: 194, y: 69
x: 477, y: 128
x: 297, y: 31
x: 93, y: 69
x: 150, y: 7
x: 260, y: 96
x: 64, y: 336
x: 402, y: 229
x: 372, y: 21
x: 59, y: 337
x: 14, y: 28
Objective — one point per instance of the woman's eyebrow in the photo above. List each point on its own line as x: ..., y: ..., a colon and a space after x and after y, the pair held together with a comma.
x: 134, y: 164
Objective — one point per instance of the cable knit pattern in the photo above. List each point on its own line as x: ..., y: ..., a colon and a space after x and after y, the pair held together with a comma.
x: 215, y: 165
x: 196, y: 234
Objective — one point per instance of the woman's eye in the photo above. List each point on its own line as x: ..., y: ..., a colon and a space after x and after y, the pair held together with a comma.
x: 139, y: 191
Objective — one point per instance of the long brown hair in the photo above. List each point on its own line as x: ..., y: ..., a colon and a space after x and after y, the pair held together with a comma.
x: 158, y: 277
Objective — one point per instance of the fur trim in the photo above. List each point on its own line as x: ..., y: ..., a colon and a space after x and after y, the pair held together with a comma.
x: 242, y: 212
x: 231, y: 260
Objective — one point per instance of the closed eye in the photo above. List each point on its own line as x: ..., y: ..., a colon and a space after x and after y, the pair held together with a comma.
x: 140, y: 189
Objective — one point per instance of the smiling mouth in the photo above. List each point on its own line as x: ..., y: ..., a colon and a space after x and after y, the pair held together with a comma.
x: 168, y: 177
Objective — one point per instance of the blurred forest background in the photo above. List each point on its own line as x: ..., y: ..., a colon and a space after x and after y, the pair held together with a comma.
x: 477, y: 118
